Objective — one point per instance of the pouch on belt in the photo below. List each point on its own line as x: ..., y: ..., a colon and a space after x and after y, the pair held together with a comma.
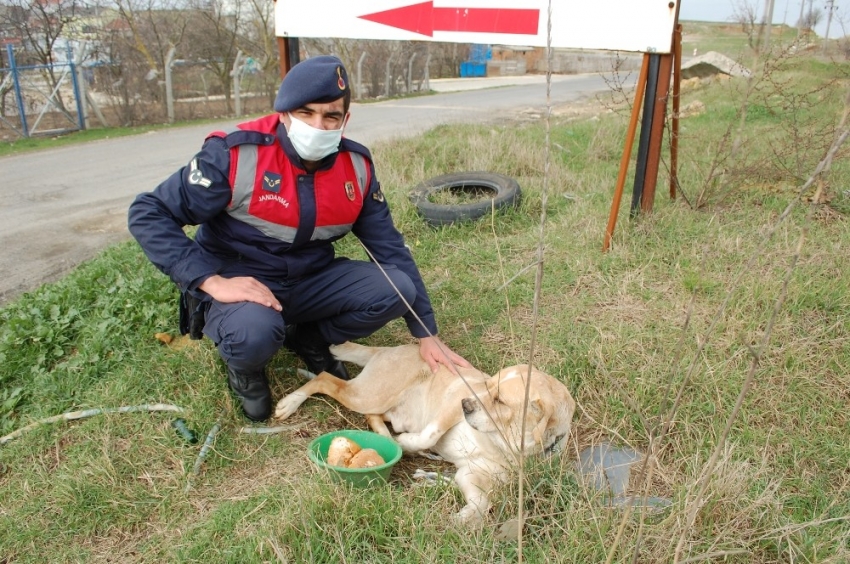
x: 192, y: 313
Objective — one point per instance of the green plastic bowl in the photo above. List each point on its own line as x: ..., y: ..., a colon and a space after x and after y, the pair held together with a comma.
x: 389, y: 450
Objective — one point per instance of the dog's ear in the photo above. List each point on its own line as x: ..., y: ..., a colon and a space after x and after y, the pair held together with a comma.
x: 555, y: 418
x: 541, y: 412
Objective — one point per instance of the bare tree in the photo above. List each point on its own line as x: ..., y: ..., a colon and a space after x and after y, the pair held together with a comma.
x: 40, y: 25
x: 800, y: 19
x: 811, y: 19
x: 260, y: 40
x: 843, y: 37
x: 745, y: 13
x: 213, y: 39
x: 137, y: 40
x: 446, y: 59
x: 386, y: 65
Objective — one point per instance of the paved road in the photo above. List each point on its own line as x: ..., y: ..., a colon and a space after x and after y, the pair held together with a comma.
x: 62, y: 206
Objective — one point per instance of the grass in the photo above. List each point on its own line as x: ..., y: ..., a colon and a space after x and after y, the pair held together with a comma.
x: 36, y: 143
x: 42, y: 142
x: 728, y: 38
x: 684, y: 298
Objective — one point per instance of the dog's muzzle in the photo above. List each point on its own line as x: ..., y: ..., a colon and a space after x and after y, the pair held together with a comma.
x: 555, y: 447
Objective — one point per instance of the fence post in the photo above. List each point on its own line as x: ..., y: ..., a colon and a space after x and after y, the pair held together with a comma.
x: 426, y: 79
x: 410, y: 73
x: 22, y: 109
x: 360, y: 74
x: 236, y: 73
x: 81, y: 116
x: 169, y: 90
x: 78, y: 61
x: 387, y: 78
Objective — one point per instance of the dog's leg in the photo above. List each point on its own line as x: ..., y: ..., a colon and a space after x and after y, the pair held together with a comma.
x: 376, y: 422
x: 429, y: 436
x: 324, y: 383
x: 354, y: 353
x: 475, y: 485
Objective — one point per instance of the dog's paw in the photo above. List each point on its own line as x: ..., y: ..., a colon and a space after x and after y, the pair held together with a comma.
x: 410, y: 442
x: 288, y: 405
x: 306, y: 374
x: 468, y: 516
x: 432, y: 478
x: 428, y: 477
x: 508, y: 531
x: 419, y: 442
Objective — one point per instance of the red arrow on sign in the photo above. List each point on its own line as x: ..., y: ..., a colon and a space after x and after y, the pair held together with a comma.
x: 425, y: 19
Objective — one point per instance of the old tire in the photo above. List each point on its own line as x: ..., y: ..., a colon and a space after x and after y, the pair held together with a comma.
x: 488, y: 190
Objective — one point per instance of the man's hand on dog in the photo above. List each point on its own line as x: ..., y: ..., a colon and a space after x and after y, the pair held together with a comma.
x: 435, y: 353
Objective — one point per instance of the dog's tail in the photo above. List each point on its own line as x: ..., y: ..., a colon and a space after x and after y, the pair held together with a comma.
x: 353, y: 353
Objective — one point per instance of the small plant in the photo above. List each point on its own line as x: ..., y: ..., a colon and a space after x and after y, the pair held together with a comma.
x: 458, y: 195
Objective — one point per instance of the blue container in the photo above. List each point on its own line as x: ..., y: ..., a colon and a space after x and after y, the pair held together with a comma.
x: 469, y: 69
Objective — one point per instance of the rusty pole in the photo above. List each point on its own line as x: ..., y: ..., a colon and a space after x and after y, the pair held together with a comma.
x: 662, y: 91
x: 288, y: 53
x: 288, y: 48
x: 283, y: 56
x: 677, y: 88
x: 627, y: 153
x: 646, y: 131
x: 652, y: 130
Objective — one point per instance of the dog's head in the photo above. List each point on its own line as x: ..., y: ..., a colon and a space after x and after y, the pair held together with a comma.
x: 499, y: 411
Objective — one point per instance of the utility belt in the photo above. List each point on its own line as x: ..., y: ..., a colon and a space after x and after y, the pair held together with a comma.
x: 193, y: 311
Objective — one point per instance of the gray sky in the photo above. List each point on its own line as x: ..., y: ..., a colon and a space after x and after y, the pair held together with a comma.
x: 784, y: 11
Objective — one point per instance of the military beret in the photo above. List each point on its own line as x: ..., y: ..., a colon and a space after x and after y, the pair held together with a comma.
x: 316, y: 80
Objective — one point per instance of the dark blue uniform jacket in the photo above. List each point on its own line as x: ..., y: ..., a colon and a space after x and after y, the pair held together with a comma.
x: 199, y: 194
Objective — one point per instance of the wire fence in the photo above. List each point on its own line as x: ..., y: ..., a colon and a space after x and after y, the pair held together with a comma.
x: 84, y: 92
x: 89, y: 88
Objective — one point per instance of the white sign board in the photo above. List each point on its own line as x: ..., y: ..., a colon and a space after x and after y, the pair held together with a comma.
x: 644, y: 26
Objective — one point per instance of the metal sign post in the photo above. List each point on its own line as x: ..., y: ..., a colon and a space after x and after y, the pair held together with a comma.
x: 655, y: 84
x: 288, y: 48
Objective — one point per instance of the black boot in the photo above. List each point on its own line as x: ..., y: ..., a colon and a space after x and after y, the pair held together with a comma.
x: 252, y: 388
x: 307, y: 342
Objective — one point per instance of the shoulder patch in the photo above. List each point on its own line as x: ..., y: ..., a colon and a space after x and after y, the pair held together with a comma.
x: 196, y: 176
x: 243, y: 137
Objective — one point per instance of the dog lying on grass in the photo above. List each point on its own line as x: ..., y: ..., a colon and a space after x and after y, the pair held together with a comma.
x: 474, y: 422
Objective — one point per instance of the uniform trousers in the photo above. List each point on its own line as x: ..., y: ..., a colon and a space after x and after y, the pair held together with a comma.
x: 349, y: 299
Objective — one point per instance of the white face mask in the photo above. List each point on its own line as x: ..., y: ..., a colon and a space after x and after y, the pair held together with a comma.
x: 310, y: 143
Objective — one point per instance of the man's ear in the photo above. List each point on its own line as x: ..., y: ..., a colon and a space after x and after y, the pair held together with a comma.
x: 345, y: 119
